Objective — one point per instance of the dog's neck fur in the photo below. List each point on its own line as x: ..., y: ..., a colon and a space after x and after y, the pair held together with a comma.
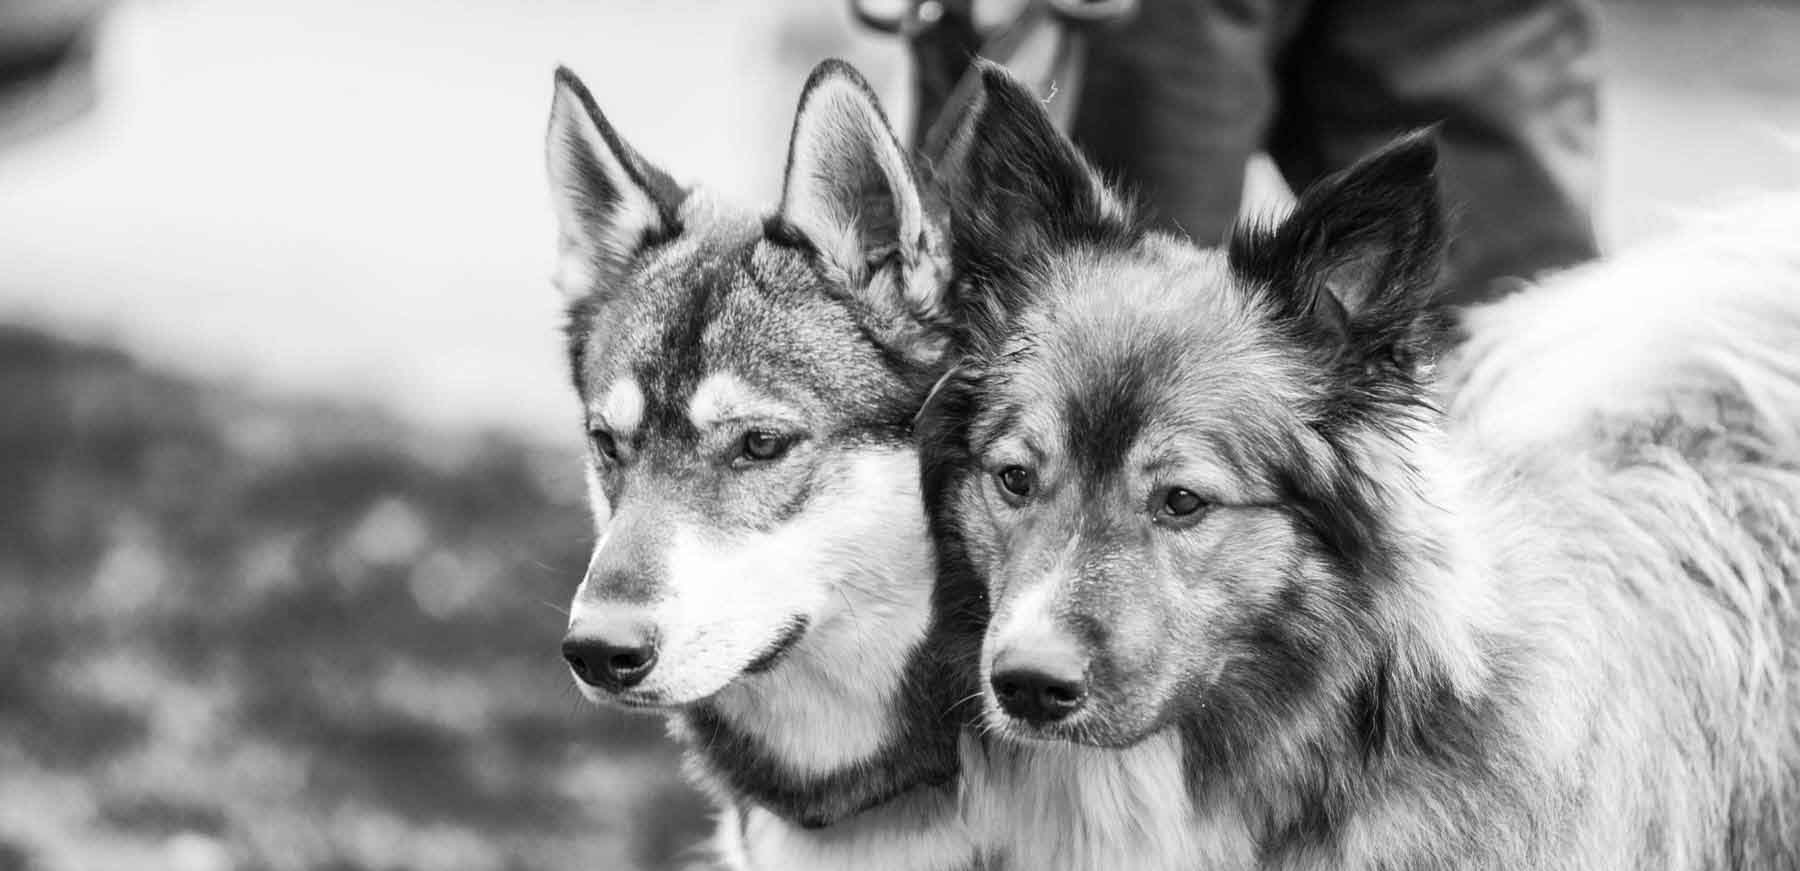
x: 853, y: 717
x: 1391, y: 716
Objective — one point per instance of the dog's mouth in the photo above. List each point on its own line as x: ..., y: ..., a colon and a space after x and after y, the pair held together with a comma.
x: 1012, y: 728
x: 1086, y: 728
x: 631, y: 699
x: 778, y: 649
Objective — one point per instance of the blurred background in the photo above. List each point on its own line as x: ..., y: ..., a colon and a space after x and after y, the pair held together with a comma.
x: 290, y: 498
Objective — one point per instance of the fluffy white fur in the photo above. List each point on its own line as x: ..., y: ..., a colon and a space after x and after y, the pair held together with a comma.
x: 723, y: 396
x: 1712, y: 305
x: 1074, y: 808
x: 864, y: 553
x: 919, y: 832
x: 866, y: 615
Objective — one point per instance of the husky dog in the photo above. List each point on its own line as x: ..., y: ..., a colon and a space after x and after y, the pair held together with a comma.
x: 763, y: 572
x: 1255, y: 601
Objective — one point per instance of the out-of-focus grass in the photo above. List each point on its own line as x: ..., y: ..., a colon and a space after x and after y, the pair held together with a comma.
x: 240, y: 633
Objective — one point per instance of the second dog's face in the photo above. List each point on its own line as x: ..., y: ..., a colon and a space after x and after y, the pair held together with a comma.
x: 1127, y: 503
x: 1165, y: 465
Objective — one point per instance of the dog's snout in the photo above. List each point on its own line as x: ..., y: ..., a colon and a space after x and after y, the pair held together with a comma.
x: 612, y: 658
x: 1040, y: 684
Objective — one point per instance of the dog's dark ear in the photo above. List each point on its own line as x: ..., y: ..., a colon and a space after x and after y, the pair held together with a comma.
x: 851, y: 196
x: 1358, y: 260
x: 1017, y: 185
x: 610, y: 203
x: 941, y: 426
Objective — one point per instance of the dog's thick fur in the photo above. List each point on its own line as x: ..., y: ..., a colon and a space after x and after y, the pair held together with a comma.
x: 788, y: 583
x: 1552, y: 627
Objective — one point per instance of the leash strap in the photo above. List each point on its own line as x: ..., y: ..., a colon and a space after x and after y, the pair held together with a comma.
x: 1042, y: 44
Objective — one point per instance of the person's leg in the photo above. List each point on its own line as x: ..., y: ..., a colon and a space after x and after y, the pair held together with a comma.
x: 1514, y: 85
x: 1177, y: 100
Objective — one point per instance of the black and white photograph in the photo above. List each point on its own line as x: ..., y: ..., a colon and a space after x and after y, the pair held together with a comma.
x: 899, y: 435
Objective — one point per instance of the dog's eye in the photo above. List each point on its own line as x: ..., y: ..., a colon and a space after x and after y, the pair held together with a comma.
x: 762, y: 446
x: 604, y: 445
x: 1179, y: 503
x: 1016, y: 480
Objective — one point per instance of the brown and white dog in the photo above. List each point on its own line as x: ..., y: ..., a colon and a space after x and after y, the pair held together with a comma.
x: 1256, y: 600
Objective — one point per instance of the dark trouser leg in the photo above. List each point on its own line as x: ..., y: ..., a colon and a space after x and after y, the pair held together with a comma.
x: 1177, y: 100
x: 1513, y: 83
x: 940, y: 58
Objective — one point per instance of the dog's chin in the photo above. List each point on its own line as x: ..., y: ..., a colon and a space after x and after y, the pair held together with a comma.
x: 648, y: 698
x: 1010, y: 728
x: 630, y: 699
x: 1085, y: 728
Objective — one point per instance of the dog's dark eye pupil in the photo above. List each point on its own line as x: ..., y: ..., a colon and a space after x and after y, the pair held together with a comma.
x: 759, y: 445
x: 603, y: 442
x: 1016, y: 480
x: 1181, y: 503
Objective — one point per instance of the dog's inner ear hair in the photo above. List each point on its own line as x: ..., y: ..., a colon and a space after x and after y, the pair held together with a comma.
x: 1358, y: 260
x: 850, y: 193
x: 610, y: 203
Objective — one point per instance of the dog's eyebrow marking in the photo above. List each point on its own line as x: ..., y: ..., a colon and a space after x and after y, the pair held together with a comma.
x: 1205, y: 456
x: 723, y: 396
x: 987, y: 430
x: 621, y: 407
x: 1011, y: 448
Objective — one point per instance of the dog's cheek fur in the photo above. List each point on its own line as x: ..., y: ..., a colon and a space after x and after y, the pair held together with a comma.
x: 863, y: 627
x: 1269, y: 626
x: 983, y: 537
x: 1186, y: 619
x: 726, y: 599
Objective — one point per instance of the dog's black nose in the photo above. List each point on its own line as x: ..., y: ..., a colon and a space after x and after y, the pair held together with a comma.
x: 1039, y: 689
x: 617, y: 660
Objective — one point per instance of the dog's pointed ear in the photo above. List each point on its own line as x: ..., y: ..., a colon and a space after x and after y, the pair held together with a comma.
x: 610, y: 203
x: 851, y: 195
x: 1358, y: 260
x: 1016, y: 184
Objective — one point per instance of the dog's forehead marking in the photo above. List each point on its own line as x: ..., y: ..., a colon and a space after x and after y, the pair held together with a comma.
x: 1140, y: 359
x: 621, y: 406
x: 723, y: 396
x: 736, y: 326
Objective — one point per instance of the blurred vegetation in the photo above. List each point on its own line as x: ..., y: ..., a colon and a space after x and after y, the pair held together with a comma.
x: 247, y: 634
